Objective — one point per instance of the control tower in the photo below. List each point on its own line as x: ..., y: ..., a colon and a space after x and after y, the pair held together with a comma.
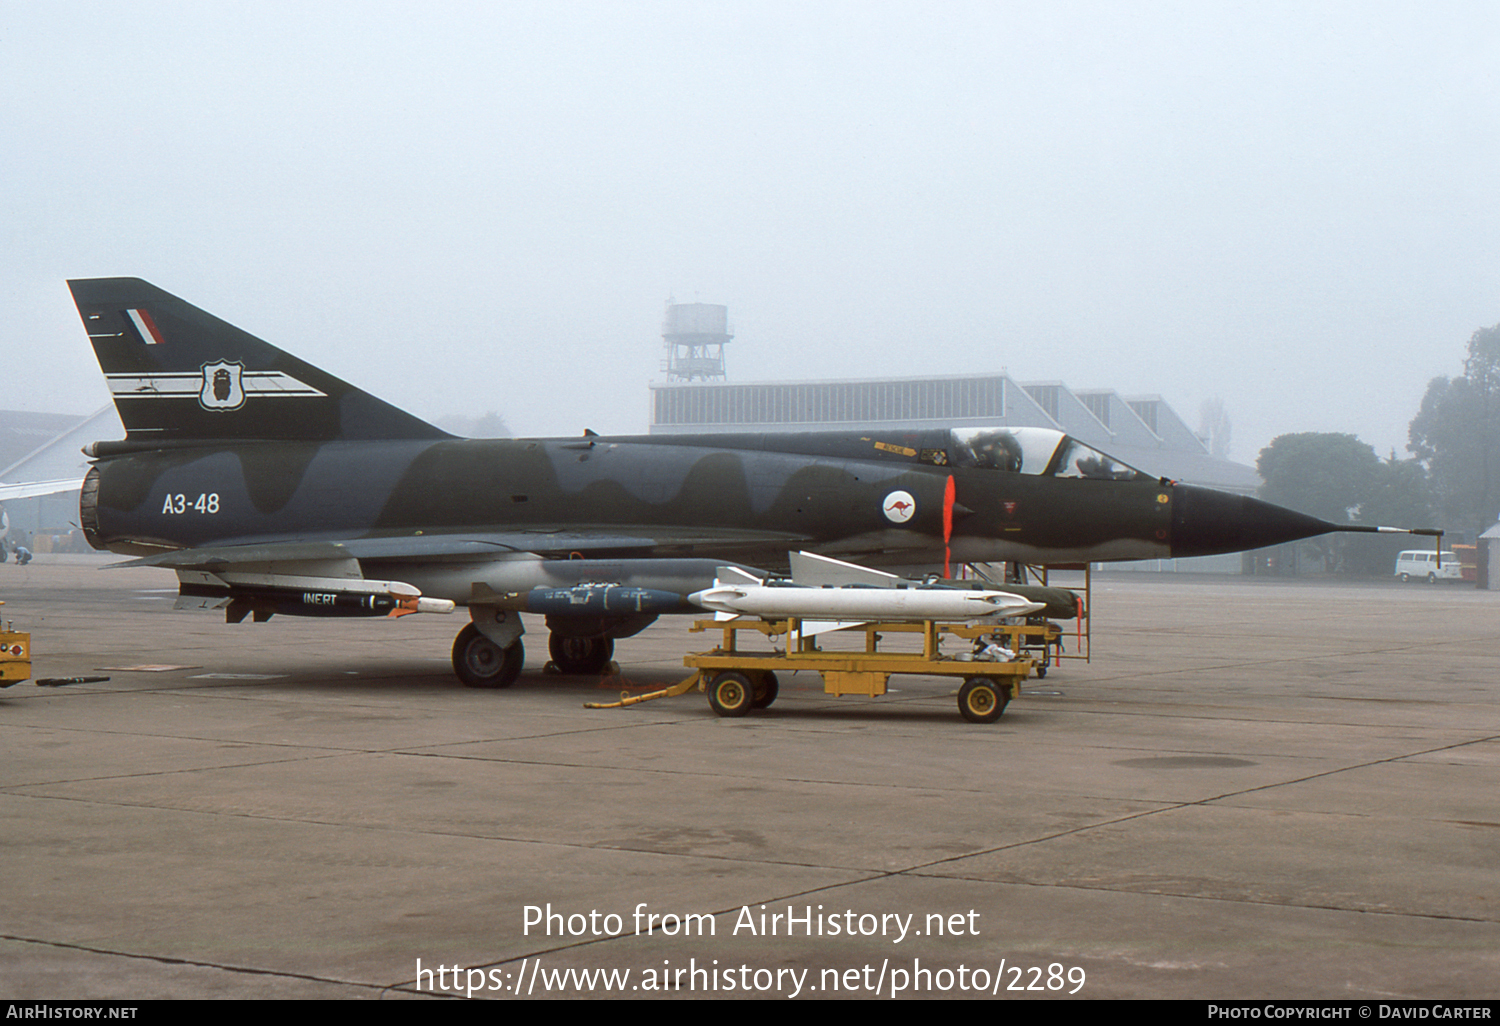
x: 695, y: 334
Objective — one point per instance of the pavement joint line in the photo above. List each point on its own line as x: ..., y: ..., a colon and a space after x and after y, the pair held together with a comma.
x: 1277, y: 713
x: 1176, y: 806
x: 410, y: 752
x: 407, y: 985
x: 1349, y: 768
x: 912, y: 870
x: 422, y: 832
x: 195, y: 963
x: 1349, y: 724
x: 1462, y: 644
x: 866, y: 784
x: 14, y: 788
x: 1237, y: 900
x: 336, y: 749
x: 1119, y: 890
x: 332, y: 749
x: 606, y: 939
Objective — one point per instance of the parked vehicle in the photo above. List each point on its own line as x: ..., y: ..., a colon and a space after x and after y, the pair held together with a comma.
x: 1423, y: 565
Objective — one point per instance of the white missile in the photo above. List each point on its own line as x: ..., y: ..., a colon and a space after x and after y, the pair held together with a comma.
x: 333, y: 596
x: 861, y: 603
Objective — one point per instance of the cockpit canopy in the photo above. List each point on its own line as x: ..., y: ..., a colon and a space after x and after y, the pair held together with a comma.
x: 1030, y: 450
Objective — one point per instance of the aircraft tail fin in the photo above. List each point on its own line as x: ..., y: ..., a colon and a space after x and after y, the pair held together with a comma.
x: 179, y: 374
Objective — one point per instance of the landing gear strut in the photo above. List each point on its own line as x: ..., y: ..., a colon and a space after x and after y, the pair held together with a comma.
x: 481, y: 663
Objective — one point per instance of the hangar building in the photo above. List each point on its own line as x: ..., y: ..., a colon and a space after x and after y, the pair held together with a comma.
x: 1142, y: 430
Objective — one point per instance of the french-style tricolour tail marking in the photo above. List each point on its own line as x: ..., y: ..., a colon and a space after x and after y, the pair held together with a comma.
x: 146, y: 326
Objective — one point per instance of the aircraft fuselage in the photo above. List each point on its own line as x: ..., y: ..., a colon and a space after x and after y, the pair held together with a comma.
x: 883, y: 508
x: 271, y: 486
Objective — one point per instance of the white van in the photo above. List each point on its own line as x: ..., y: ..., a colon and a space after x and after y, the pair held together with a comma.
x: 1423, y: 565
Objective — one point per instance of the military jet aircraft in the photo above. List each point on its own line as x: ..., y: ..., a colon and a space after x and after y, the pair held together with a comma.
x: 271, y: 486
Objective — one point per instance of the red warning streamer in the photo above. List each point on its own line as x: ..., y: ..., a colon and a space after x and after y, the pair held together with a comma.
x: 949, y: 493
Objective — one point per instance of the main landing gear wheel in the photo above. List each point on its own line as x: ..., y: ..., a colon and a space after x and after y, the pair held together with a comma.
x: 767, y: 687
x: 981, y: 701
x: 731, y: 694
x: 480, y: 663
x: 585, y: 656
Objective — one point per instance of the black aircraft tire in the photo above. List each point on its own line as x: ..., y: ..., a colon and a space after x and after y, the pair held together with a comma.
x: 767, y: 687
x: 981, y: 700
x: 583, y: 656
x: 480, y: 663
x: 731, y: 694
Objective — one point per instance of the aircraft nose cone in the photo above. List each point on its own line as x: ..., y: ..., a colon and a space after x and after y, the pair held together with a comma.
x: 1206, y: 522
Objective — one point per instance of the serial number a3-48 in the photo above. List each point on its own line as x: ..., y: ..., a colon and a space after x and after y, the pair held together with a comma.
x: 178, y: 504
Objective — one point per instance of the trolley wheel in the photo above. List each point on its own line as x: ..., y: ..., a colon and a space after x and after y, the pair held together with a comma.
x: 731, y: 694
x: 1041, y: 671
x: 981, y: 701
x: 767, y: 687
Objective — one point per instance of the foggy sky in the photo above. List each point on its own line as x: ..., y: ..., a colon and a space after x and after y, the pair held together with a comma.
x: 464, y: 207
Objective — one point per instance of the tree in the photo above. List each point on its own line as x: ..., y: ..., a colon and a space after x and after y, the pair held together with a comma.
x: 1322, y: 475
x: 1400, y: 497
x: 1338, y: 478
x: 1456, y: 435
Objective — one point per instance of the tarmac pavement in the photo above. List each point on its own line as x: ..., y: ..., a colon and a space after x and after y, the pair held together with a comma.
x: 1256, y: 789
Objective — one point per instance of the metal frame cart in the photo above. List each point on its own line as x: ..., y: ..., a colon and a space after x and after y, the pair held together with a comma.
x: 738, y: 681
x: 15, y: 655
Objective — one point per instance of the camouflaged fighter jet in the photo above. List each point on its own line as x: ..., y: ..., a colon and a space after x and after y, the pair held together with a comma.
x: 270, y: 486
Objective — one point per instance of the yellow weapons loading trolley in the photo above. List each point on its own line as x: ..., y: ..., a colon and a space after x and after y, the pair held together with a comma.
x: 15, y: 655
x: 738, y: 681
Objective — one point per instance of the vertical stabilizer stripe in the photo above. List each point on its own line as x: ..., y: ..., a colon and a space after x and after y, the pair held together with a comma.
x: 146, y: 326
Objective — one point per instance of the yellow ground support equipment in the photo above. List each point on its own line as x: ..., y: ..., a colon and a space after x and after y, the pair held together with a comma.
x: 15, y: 655
x: 738, y: 681
x: 1046, y: 642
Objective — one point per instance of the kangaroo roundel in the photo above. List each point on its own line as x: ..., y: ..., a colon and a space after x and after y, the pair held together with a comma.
x: 222, y: 389
x: 899, y: 507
